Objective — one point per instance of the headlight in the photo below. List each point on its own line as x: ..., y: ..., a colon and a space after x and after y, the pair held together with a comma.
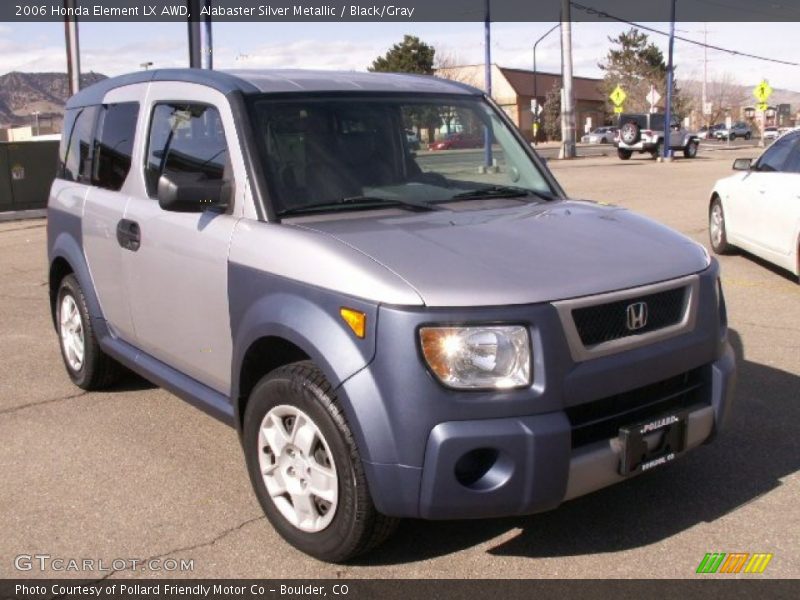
x: 478, y: 357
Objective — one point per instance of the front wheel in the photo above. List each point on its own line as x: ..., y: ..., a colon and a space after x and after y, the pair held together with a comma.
x: 690, y: 151
x: 656, y: 152
x: 87, y: 365
x: 716, y: 228
x: 305, y: 467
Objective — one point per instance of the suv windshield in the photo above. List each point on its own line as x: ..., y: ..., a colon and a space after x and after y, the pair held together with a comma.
x: 349, y: 152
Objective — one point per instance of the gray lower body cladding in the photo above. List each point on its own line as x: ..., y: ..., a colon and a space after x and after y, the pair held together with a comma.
x: 418, y: 438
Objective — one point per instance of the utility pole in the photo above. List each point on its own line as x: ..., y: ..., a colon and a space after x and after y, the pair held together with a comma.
x: 705, y: 73
x: 195, y: 41
x: 568, y: 98
x: 535, y: 115
x: 73, y: 49
x: 487, y: 135
x: 208, y: 40
x: 667, y: 153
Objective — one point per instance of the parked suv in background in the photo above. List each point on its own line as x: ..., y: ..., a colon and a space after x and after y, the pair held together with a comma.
x: 645, y: 133
x: 740, y: 129
x: 393, y: 334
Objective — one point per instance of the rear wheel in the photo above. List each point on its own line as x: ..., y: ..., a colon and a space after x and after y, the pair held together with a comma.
x: 624, y: 154
x: 690, y: 151
x: 716, y: 228
x: 305, y: 467
x: 87, y: 365
x: 732, y: 136
x: 747, y: 135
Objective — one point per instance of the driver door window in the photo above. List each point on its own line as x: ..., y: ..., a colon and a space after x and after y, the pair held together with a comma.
x: 186, y: 140
x: 774, y: 159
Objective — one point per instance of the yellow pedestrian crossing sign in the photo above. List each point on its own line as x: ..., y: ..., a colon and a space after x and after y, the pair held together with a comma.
x: 762, y: 91
x: 618, y: 96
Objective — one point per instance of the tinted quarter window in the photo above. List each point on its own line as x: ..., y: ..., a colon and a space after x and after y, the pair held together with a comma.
x: 69, y: 122
x: 774, y: 159
x: 185, y: 138
x: 114, y: 144
x: 78, y: 154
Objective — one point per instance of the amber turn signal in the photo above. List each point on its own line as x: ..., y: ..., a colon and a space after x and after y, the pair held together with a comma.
x: 356, y: 320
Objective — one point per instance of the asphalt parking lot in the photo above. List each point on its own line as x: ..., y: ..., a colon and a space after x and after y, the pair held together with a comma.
x: 135, y: 473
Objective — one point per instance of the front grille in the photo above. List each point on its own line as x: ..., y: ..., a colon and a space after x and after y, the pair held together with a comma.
x: 601, y: 419
x: 607, y: 322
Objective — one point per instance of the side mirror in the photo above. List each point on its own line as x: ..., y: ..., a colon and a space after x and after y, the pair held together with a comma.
x: 742, y: 164
x: 192, y: 192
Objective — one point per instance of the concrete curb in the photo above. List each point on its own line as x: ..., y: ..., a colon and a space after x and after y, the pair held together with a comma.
x: 19, y: 215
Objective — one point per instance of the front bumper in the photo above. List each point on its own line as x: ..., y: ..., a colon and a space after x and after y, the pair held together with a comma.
x: 414, y: 435
x: 536, y: 470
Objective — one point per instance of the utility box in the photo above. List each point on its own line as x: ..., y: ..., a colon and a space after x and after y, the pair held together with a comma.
x: 27, y: 170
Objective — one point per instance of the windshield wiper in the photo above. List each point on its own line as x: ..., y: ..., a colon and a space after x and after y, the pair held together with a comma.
x: 357, y: 202
x: 502, y: 191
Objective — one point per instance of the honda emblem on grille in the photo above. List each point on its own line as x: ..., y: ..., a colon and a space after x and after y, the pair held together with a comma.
x: 636, y: 315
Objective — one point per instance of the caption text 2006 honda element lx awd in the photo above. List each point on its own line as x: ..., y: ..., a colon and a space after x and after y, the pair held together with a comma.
x: 394, y: 332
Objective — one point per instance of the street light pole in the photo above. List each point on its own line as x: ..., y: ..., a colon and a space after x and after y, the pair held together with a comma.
x: 487, y: 136
x: 668, y: 112
x: 536, y: 87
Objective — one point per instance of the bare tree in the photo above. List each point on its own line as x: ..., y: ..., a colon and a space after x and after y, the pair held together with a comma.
x: 724, y: 93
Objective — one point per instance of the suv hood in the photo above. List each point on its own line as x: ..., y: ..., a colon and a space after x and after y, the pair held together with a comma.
x: 519, y: 255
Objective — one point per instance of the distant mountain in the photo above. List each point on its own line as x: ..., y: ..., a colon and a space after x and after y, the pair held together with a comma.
x: 729, y: 92
x: 21, y: 94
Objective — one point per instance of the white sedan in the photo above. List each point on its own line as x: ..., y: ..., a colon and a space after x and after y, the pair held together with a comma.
x: 758, y: 208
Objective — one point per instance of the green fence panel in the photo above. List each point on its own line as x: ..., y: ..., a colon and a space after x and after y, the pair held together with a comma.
x: 29, y: 169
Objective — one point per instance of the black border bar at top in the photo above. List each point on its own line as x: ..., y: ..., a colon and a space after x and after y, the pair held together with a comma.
x: 745, y: 11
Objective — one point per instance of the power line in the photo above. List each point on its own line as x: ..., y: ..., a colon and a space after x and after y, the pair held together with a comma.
x: 605, y: 15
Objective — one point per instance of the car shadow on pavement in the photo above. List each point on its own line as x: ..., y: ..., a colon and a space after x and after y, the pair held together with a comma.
x: 132, y: 382
x: 760, y: 447
x: 772, y: 267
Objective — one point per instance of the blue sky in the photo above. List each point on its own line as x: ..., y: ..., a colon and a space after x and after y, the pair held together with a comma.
x: 114, y: 48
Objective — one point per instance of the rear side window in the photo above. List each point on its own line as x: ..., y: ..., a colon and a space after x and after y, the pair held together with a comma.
x: 77, y: 153
x: 113, y: 144
x: 185, y: 139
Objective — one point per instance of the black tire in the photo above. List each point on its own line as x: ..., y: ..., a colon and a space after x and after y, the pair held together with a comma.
x: 656, y: 152
x: 624, y: 154
x: 719, y: 243
x: 732, y: 136
x: 98, y: 370
x: 356, y: 527
x: 747, y: 135
x: 690, y: 151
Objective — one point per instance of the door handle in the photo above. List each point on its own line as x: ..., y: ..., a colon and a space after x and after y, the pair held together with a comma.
x: 129, y: 235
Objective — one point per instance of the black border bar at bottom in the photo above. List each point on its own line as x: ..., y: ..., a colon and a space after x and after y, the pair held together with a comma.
x: 702, y: 587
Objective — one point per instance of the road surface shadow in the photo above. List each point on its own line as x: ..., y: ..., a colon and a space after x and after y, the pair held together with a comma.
x: 745, y: 462
x: 780, y: 271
